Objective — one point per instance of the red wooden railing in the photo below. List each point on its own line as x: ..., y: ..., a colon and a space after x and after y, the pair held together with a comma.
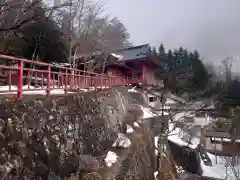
x: 24, y: 75
x: 134, y: 80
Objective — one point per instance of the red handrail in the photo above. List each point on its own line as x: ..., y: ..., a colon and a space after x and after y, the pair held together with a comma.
x: 49, y: 78
x: 134, y: 80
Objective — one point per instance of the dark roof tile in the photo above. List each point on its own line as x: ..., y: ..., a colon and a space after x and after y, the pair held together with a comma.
x: 132, y: 53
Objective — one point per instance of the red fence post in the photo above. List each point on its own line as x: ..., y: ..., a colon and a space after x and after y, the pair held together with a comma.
x: 48, y: 90
x: 20, y: 80
x: 111, y: 84
x: 10, y: 80
x: 66, y: 81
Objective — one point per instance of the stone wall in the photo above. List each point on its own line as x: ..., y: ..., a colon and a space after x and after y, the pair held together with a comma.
x: 69, y: 137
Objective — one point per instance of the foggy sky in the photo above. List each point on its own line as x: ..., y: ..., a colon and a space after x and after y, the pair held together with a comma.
x: 210, y: 26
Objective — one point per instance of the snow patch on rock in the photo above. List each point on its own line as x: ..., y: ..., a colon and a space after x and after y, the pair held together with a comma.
x: 136, y: 124
x: 111, y: 158
x: 122, y: 141
x: 129, y: 129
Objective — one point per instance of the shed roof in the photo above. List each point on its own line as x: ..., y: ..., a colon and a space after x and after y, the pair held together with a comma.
x: 132, y: 53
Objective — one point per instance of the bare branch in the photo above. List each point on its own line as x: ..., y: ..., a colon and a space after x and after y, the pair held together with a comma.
x: 25, y: 13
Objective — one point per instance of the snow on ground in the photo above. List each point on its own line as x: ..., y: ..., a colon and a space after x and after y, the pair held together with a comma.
x: 6, y: 88
x: 176, y: 135
x: 166, y: 107
x: 212, y: 171
x: 180, y: 116
x: 225, y: 140
x: 170, y: 101
x: 198, y: 121
x: 155, y: 174
x: 156, y: 138
x: 164, y: 113
x: 30, y: 90
x: 217, y: 170
x: 147, y: 113
x: 203, y: 121
x: 129, y: 129
x: 132, y: 90
x: 136, y: 124
x: 111, y: 158
x: 35, y: 90
x: 122, y: 141
x: 220, y: 168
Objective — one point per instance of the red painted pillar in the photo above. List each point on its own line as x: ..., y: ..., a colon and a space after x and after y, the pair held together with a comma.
x: 132, y: 78
x: 111, y: 84
x: 20, y: 80
x: 143, y: 73
x: 66, y: 82
x: 48, y: 90
x: 114, y: 79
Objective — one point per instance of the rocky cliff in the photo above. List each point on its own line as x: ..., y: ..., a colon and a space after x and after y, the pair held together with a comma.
x: 71, y: 137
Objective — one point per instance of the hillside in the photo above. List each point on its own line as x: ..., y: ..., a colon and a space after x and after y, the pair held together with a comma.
x: 76, y: 137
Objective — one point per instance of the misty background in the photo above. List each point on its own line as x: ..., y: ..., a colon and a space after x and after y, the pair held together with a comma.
x: 211, y: 27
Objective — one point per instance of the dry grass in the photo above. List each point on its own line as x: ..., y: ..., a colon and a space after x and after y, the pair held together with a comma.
x: 167, y: 170
x: 140, y: 162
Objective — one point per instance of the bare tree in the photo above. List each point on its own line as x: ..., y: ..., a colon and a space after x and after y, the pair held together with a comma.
x: 16, y: 13
x: 179, y: 126
x: 91, y: 33
x: 77, y: 22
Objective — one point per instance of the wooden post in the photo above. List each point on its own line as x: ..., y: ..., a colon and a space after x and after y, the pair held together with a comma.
x: 101, y: 87
x: 20, y: 80
x: 10, y: 80
x: 143, y: 73
x: 48, y: 90
x: 66, y: 82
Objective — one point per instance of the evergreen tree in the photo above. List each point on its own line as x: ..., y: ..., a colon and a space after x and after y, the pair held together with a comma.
x: 185, y: 55
x: 170, y: 61
x: 183, y: 72
x: 200, y: 75
x: 169, y: 69
x: 161, y: 56
x: 44, y: 41
x: 154, y: 52
x: 196, y: 55
x: 180, y: 57
x: 160, y: 71
x: 169, y: 54
x: 180, y: 51
x: 161, y: 51
x: 186, y: 59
